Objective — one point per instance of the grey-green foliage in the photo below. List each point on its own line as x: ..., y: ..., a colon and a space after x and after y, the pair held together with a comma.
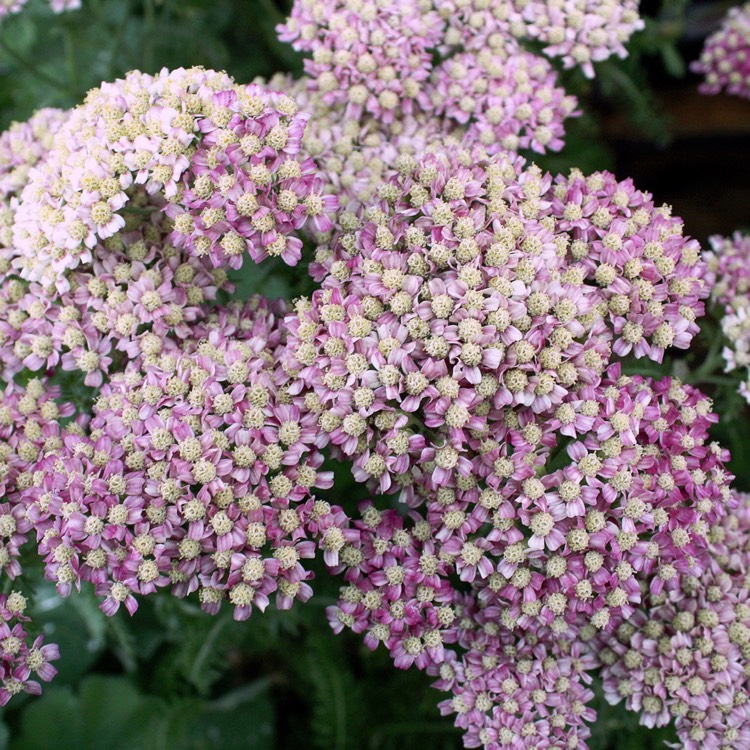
x: 112, y: 712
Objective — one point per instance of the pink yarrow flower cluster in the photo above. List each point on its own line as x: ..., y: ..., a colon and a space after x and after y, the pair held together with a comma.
x: 375, y: 54
x: 223, y: 162
x: 131, y: 212
x: 729, y: 261
x: 22, y: 146
x: 548, y: 557
x: 22, y: 661
x: 196, y: 474
x: 391, y: 78
x: 580, y: 32
x: 725, y: 59
x: 511, y: 101
x: 481, y: 286
x: 367, y: 56
x: 520, y: 692
x: 506, y: 102
x: 460, y: 353
x: 683, y: 656
x: 137, y: 292
x: 463, y: 352
x: 29, y: 429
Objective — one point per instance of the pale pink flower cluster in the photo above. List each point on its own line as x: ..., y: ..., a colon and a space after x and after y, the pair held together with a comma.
x: 195, y: 473
x: 504, y: 246
x: 220, y: 159
x: 523, y: 692
x: 729, y: 262
x: 29, y: 429
x: 580, y: 32
x: 22, y: 661
x: 194, y: 470
x: 391, y: 78
x: 22, y: 146
x: 535, y: 509
x: 683, y: 655
x: 552, y: 545
x: 509, y: 101
x: 123, y: 223
x: 376, y: 53
x: 370, y: 56
x: 460, y: 353
x: 505, y: 104
x: 725, y: 59
x: 137, y: 290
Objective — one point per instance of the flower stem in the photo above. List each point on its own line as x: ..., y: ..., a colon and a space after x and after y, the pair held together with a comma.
x: 713, y: 360
x: 70, y: 59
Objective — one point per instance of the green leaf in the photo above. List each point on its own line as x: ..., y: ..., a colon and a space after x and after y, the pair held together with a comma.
x: 114, y: 713
x: 53, y: 720
x: 110, y: 712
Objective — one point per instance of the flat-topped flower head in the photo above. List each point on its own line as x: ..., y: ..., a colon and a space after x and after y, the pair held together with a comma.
x: 564, y: 538
x: 477, y: 286
x: 196, y: 474
x: 222, y: 160
x: 725, y: 59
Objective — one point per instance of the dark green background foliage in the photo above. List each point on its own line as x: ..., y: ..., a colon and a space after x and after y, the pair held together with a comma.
x: 173, y: 678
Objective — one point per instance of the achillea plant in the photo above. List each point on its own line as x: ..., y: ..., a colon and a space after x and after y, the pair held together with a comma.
x: 544, y: 509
